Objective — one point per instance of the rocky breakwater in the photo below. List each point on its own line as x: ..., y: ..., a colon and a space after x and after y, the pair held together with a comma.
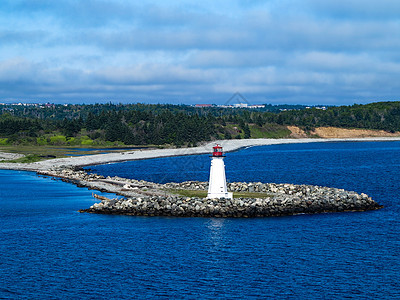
x: 277, y: 200
x: 118, y: 185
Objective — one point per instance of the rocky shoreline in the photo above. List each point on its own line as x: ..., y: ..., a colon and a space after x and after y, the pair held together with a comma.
x: 142, y: 198
x: 285, y: 199
x: 148, y: 198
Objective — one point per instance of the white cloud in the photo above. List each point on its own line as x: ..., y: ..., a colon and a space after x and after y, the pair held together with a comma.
x: 184, y: 51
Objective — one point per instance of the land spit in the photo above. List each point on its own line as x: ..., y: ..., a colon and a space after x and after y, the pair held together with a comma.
x: 147, y: 198
x: 143, y: 198
x: 228, y: 145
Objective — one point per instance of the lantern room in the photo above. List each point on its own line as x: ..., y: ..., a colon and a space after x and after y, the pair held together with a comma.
x: 217, y: 151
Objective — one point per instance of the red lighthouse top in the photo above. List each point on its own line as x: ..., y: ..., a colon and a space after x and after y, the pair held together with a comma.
x: 217, y: 151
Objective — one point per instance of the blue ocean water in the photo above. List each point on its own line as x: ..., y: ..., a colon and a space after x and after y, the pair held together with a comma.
x: 49, y: 250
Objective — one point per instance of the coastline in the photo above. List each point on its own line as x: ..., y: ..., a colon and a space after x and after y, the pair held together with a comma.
x: 254, y: 199
x: 143, y: 198
x: 228, y: 145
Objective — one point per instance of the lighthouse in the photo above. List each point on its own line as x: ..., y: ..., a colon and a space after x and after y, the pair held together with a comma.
x: 217, y: 184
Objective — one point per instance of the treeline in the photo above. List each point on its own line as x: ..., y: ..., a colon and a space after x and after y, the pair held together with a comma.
x: 127, y: 127
x: 143, y: 127
x: 380, y: 115
x: 141, y: 124
x: 75, y: 111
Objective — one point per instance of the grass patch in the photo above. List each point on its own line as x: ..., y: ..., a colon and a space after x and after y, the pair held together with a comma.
x: 25, y: 160
x: 35, y: 150
x: 272, y: 131
x: 251, y: 195
x: 234, y: 130
x: 269, y: 131
x: 203, y: 194
x: 61, y: 140
x: 189, y: 193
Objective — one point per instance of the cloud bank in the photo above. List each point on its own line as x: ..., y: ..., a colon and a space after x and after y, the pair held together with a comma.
x: 287, y: 51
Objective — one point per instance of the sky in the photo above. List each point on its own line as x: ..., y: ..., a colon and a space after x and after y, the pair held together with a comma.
x: 333, y: 52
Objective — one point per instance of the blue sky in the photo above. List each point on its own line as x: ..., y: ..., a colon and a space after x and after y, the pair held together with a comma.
x: 274, y: 51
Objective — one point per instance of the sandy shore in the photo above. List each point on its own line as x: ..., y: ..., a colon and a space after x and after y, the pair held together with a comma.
x: 228, y: 145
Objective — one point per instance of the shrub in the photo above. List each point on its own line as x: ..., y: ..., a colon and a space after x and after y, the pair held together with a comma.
x: 41, y: 141
x: 58, y: 140
x: 72, y: 141
x: 85, y: 140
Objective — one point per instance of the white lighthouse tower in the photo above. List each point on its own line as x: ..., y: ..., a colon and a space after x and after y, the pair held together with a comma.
x: 217, y: 184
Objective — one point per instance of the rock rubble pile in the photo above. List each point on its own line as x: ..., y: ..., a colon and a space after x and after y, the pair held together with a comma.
x: 143, y: 198
x: 285, y: 199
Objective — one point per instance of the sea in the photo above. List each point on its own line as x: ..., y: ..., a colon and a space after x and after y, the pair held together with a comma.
x: 48, y: 250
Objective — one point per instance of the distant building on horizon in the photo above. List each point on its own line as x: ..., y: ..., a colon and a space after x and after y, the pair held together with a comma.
x: 203, y: 105
x: 241, y: 105
x: 236, y: 105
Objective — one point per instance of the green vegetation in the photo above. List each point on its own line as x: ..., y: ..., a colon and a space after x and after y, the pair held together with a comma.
x: 86, y: 141
x: 102, y: 125
x: 27, y: 159
x: 58, y: 140
x: 203, y: 194
x: 379, y: 116
x: 272, y: 131
x: 189, y: 193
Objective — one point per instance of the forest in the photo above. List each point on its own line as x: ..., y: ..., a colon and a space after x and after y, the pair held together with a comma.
x: 177, y: 125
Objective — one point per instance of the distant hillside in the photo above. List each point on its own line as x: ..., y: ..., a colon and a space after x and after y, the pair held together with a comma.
x: 335, y: 132
x: 181, y: 125
x: 380, y: 115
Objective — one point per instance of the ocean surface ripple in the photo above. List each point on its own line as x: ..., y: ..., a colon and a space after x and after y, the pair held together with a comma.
x: 49, y: 250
